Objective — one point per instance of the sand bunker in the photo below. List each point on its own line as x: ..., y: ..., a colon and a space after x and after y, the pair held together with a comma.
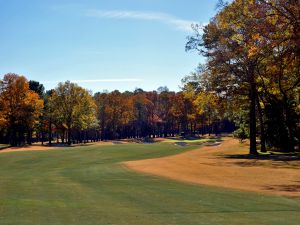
x: 228, y: 166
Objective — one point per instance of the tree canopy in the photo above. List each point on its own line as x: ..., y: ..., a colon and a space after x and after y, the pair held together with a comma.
x: 252, y: 50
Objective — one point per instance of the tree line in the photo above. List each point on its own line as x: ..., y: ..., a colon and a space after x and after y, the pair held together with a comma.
x: 251, y: 81
x: 71, y: 114
x: 253, y: 60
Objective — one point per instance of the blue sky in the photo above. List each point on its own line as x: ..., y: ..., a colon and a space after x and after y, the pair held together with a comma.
x: 115, y: 44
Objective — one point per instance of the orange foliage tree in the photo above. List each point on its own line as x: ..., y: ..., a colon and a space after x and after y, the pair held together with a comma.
x: 20, y: 108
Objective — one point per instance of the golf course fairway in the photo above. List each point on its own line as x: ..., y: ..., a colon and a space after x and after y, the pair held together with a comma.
x: 90, y: 185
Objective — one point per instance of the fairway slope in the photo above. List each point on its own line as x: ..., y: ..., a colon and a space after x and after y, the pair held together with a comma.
x: 228, y: 166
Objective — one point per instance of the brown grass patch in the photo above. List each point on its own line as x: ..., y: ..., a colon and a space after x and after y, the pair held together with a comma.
x: 229, y: 165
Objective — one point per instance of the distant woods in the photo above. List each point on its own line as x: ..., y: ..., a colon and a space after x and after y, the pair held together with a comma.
x: 251, y: 81
x: 70, y: 114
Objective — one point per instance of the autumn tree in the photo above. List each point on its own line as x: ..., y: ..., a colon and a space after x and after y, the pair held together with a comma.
x: 39, y: 88
x: 226, y: 43
x: 252, y: 49
x: 20, y: 108
x: 278, y: 41
x: 73, y: 107
x: 208, y: 104
x: 178, y: 112
x: 101, y: 100
x: 49, y: 114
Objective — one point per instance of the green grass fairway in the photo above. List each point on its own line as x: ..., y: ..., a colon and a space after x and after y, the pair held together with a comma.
x: 88, y: 185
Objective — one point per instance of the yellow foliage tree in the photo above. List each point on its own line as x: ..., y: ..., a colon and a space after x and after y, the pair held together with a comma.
x: 73, y: 107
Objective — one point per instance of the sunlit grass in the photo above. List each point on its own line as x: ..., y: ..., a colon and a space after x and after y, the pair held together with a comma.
x: 89, y: 185
x: 3, y: 146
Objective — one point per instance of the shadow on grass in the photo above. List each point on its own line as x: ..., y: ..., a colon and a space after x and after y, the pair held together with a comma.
x: 271, y: 156
x: 288, y: 160
x: 287, y: 188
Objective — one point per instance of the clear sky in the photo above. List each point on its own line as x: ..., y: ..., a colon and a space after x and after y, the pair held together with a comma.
x: 101, y: 44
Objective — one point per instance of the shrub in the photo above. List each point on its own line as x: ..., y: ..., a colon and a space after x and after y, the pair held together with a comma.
x: 241, y: 133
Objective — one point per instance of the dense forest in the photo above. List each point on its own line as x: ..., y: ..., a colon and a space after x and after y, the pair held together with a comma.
x: 250, y: 82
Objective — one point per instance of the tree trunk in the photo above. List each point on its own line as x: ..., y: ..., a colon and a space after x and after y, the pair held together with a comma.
x: 29, y: 137
x: 252, y: 116
x: 13, y: 137
x: 69, y: 136
x: 209, y: 125
x: 262, y: 127
x: 216, y: 128
x: 42, y: 137
x: 289, y: 126
x: 50, y: 132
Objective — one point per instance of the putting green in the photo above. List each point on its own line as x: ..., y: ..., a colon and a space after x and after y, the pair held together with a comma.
x: 88, y: 185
